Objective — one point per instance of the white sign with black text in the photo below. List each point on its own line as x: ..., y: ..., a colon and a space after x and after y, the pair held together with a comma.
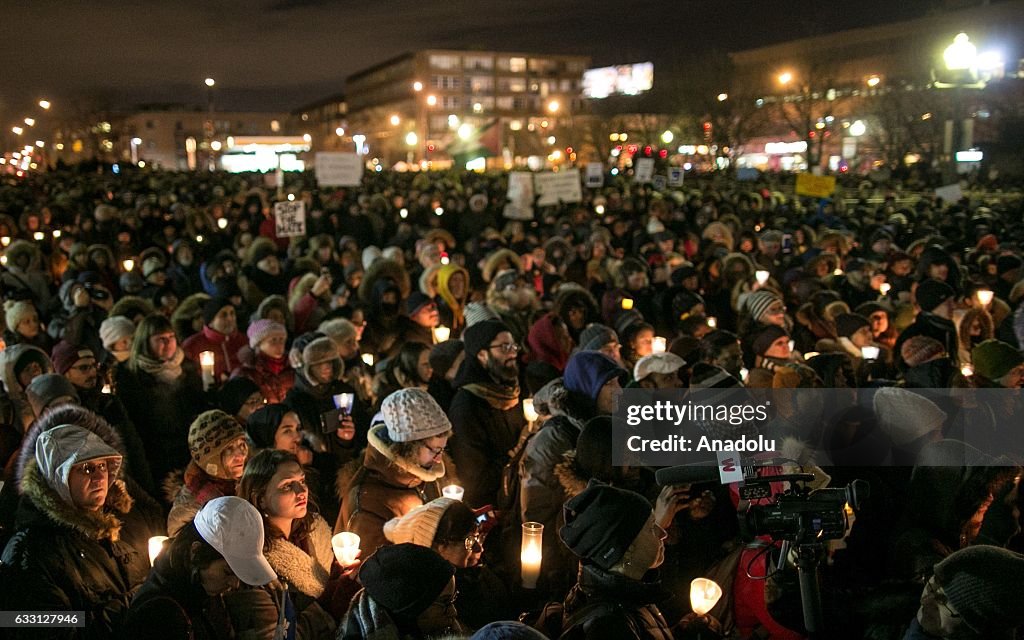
x: 290, y: 219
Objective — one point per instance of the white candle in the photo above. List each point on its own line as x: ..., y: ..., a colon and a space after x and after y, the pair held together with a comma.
x: 762, y: 276
x: 206, y: 363
x: 811, y: 354
x: 156, y: 545
x: 368, y: 359
x: 967, y: 370
x: 531, y: 554
x: 346, y: 547
x: 39, y: 235
x: 884, y: 288
x: 5, y: 240
x: 453, y: 491
x: 128, y: 264
x: 869, y: 353
x: 529, y: 412
x: 837, y: 272
x: 985, y: 296
x: 106, y: 389
x: 627, y: 303
x: 704, y: 595
x: 222, y: 223
x: 441, y: 334
x: 658, y: 345
x: 713, y: 322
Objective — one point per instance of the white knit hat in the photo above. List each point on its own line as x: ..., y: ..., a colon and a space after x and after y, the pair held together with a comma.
x: 419, y: 526
x: 114, y: 328
x: 905, y: 416
x: 412, y: 414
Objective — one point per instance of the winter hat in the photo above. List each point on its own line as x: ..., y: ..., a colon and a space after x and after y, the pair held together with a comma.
x: 596, y: 336
x: 763, y: 339
x: 62, y: 447
x: 234, y: 528
x: 626, y: 321
x: 405, y: 578
x: 418, y: 526
x: 151, y: 265
x: 982, y: 583
x: 234, y: 393
x: 602, y: 521
x: 993, y: 359
x: 260, y: 251
x: 848, y: 324
x: 931, y: 293
x: 416, y: 301
x: 1005, y: 264
x: 921, y: 349
x: 65, y: 355
x: 479, y: 336
x: 15, y: 311
x: 115, y: 328
x: 370, y: 255
x: 318, y: 351
x: 28, y: 356
x: 412, y: 414
x: 588, y: 371
x: 213, y: 306
x: 131, y: 282
x: 261, y: 425
x: 707, y: 376
x: 758, y: 302
x: 337, y: 329
x: 507, y: 630
x: 666, y: 362
x: 211, y: 432
x: 299, y: 345
x: 905, y: 416
x: 46, y: 388
x: 262, y: 330
x: 443, y: 355
x: 476, y: 312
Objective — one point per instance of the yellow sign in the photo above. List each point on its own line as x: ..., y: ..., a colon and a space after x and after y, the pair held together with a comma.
x: 808, y: 184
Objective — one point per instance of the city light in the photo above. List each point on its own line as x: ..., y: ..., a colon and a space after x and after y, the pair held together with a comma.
x: 307, y: 138
x: 222, y: 223
x: 216, y: 145
x: 551, y: 140
x: 431, y: 100
x: 44, y: 104
x: 874, y: 81
x: 722, y: 97
x: 210, y: 82
x: 340, y: 131
x: 961, y: 54
x: 465, y: 131
x: 411, y: 139
x: 453, y: 120
x: 858, y: 128
x: 40, y: 143
x: 395, y: 120
x: 30, y: 121
x: 990, y: 61
x: 614, y: 137
x: 553, y: 106
x: 667, y: 136
x: 17, y: 130
x: 417, y: 86
x: 785, y: 77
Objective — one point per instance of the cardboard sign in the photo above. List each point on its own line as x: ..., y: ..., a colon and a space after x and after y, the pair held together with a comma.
x: 729, y: 468
x: 950, y: 192
x: 644, y: 170
x: 660, y: 182
x: 676, y: 176
x: 553, y: 188
x: 815, y: 186
x: 595, y: 175
x: 290, y: 219
x: 519, y: 196
x: 337, y: 169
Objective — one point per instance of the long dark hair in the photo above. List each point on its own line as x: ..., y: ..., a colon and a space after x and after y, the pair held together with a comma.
x: 259, y: 471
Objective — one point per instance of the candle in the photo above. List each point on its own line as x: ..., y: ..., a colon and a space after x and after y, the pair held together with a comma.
x: 762, y: 276
x: 39, y: 235
x: 222, y: 223
x: 627, y: 303
x: 967, y: 370
x: 206, y: 363
x: 869, y: 353
x: 884, y: 288
x: 56, y: 233
x: 744, y: 372
x: 441, y: 334
x: 106, y: 389
x: 837, y: 272
x: 658, y: 345
x: 713, y: 322
x: 811, y: 354
x: 704, y: 595
x: 792, y: 345
x: 367, y: 359
x: 985, y: 296
x: 346, y: 547
x: 453, y: 491
x: 156, y: 545
x: 128, y: 264
x: 530, y: 555
x: 529, y: 412
x: 5, y: 240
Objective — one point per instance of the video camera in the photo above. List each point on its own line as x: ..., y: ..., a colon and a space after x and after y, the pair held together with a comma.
x: 800, y: 515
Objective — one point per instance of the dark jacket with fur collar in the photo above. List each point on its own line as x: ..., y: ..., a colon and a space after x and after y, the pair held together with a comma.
x: 65, y: 559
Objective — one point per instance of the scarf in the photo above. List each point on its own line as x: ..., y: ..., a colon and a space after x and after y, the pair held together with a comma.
x: 166, y: 371
x: 498, y: 396
x: 273, y: 365
x: 205, y: 487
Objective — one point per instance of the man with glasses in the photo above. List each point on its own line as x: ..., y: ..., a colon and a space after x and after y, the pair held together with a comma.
x: 486, y: 412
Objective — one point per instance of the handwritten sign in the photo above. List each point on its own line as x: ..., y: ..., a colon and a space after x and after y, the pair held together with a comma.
x: 553, y: 188
x: 337, y: 169
x: 290, y: 219
x: 519, y: 205
x: 595, y: 175
x: 815, y: 186
x: 676, y: 176
x: 644, y: 170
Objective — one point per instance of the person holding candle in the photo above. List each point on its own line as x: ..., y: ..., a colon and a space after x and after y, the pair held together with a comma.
x: 637, y: 337
x: 936, y: 301
x: 420, y: 318
x: 220, y: 335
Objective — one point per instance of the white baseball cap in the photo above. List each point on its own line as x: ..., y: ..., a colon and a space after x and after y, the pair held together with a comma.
x: 665, y: 362
x: 234, y: 528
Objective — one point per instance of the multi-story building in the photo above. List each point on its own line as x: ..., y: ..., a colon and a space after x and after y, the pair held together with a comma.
x: 438, y: 106
x: 326, y: 121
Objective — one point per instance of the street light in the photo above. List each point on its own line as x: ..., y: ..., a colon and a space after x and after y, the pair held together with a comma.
x: 411, y: 139
x: 874, y: 81
x: 340, y: 131
x: 395, y: 120
x: 359, y: 139
x: 961, y: 54
x: 722, y: 97
x: 553, y: 106
x: 431, y: 100
x: 465, y: 131
x: 785, y: 77
x: 667, y: 136
x: 858, y: 128
x: 417, y: 86
x: 45, y: 104
x: 210, y: 82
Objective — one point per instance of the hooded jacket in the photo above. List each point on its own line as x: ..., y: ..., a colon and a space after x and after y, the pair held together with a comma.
x: 30, y: 279
x: 8, y: 359
x: 631, y: 614
x: 66, y: 559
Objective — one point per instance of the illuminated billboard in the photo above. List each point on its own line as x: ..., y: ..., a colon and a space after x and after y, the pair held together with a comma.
x: 623, y: 79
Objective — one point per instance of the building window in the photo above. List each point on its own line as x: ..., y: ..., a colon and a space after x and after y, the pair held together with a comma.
x: 504, y: 103
x: 478, y: 62
x: 519, y: 103
x: 566, y: 86
x: 444, y: 62
x: 481, y: 84
x: 275, y: 126
x: 438, y: 123
x: 445, y: 82
x: 512, y: 85
x: 450, y: 102
x: 517, y: 65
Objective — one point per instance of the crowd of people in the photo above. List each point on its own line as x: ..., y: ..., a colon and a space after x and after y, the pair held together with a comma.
x: 172, y: 367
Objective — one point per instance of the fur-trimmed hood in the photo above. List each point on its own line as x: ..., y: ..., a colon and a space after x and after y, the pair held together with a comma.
x: 11, y: 355
x: 306, y: 572
x: 379, y: 270
x: 380, y: 457
x: 565, y: 471
x: 494, y: 263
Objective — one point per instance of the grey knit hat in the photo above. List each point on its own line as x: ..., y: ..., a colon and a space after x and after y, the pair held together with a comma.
x: 758, y: 302
x: 412, y: 414
x: 478, y: 312
x: 983, y: 585
x: 114, y: 328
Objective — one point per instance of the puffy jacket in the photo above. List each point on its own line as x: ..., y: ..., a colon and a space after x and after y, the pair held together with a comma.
x: 225, y: 349
x: 631, y: 613
x: 275, y: 379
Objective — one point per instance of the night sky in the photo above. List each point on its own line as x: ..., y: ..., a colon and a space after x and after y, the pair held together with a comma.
x: 280, y: 54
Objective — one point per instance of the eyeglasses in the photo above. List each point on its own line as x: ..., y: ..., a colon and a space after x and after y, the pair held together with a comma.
x: 940, y: 598
x: 85, y: 368
x: 435, y: 452
x: 506, y: 347
x: 109, y: 466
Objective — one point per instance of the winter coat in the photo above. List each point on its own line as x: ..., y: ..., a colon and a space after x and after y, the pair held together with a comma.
x: 109, y: 407
x: 224, y: 347
x: 65, y: 559
x: 30, y: 279
x: 933, y: 326
x: 275, y: 379
x: 162, y: 413
x: 633, y: 613
x: 77, y: 325
x: 15, y: 392
x: 385, y: 487
x: 188, y: 491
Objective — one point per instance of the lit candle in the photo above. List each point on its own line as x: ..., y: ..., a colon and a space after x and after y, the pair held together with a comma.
x: 811, y: 354
x: 106, y: 389
x: 792, y: 345
x: 869, y: 353
x: 367, y: 359
x: 744, y: 372
x: 38, y: 235
x: 762, y: 276
x: 713, y: 322
x: 837, y: 272
x: 128, y: 264
x: 5, y: 240
x: 528, y: 411
x: 222, y: 223
x: 56, y: 233
x: 658, y: 345
x: 530, y: 555
x: 206, y: 363
x: 627, y: 303
x: 884, y: 288
x: 453, y: 491
x: 985, y: 296
x: 967, y: 370
x: 704, y: 595
x: 156, y: 545
x: 346, y: 547
x: 441, y: 334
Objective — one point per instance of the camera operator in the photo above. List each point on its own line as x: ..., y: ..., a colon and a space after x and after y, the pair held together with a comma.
x: 84, y: 305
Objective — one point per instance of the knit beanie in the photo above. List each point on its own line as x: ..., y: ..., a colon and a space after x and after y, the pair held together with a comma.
x: 921, y: 349
x: 261, y: 251
x: 596, y: 336
x: 418, y: 526
x: 993, y: 359
x: 234, y: 393
x: 15, y: 311
x: 65, y: 355
x: 46, y: 388
x: 931, y: 293
x: 211, y: 432
x: 848, y: 324
x: 443, y: 355
x: 641, y: 554
x: 758, y: 302
x: 765, y: 337
x: 115, y: 328
x: 412, y: 414
x: 405, y: 578
x: 905, y: 416
x: 262, y: 330
x: 602, y: 521
x: 212, y: 307
x: 982, y: 583
x: 507, y: 630
x: 151, y: 265
x: 476, y: 312
x: 131, y: 282
x: 481, y: 335
x: 261, y: 425
x: 62, y: 447
x: 588, y: 371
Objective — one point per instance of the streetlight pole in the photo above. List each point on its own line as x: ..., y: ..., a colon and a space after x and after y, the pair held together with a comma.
x: 211, y: 162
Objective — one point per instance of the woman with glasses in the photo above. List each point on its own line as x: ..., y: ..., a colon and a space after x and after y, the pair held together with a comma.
x: 219, y: 450
x: 162, y: 392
